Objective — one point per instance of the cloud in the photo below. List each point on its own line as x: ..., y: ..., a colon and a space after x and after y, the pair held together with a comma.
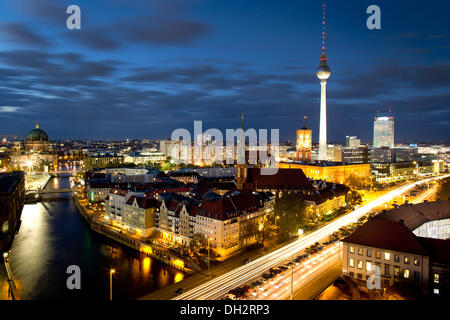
x: 22, y: 35
x: 9, y: 109
x: 163, y: 30
x: 95, y: 38
x: 48, y: 10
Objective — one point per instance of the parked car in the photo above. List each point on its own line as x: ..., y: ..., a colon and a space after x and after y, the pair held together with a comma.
x: 178, y: 291
x: 261, y: 280
x: 267, y: 276
x: 230, y: 296
x: 275, y: 270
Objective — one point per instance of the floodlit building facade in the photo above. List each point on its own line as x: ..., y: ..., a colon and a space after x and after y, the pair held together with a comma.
x: 383, y: 132
x: 408, y: 243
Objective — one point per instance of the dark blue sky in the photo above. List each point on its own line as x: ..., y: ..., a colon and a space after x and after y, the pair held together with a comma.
x: 140, y: 69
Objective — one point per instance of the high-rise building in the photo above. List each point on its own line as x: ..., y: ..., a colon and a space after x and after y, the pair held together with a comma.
x: 383, y: 131
x: 323, y: 73
x: 352, y: 142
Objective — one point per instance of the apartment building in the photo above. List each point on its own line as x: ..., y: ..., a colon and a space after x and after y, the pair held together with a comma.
x: 409, y: 243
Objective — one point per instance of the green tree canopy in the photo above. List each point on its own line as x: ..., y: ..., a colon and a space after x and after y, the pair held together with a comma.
x: 198, y: 241
x: 291, y: 211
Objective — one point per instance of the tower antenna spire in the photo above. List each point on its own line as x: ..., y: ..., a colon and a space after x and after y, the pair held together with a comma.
x: 323, y: 31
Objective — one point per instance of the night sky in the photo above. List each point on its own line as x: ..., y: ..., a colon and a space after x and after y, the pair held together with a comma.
x: 140, y: 69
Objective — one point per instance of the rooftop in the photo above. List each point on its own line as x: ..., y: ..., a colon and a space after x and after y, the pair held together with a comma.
x: 289, y: 179
x: 413, y: 216
x: 387, y: 234
x: 9, y: 180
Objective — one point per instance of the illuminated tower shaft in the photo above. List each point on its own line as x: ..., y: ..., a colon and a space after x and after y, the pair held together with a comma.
x: 323, y: 121
x: 323, y: 73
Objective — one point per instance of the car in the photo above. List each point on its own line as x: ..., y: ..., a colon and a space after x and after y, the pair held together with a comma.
x: 237, y: 292
x: 261, y: 280
x: 230, y: 296
x: 247, y: 261
x: 178, y: 291
x: 284, y: 268
x: 275, y: 270
x: 267, y: 276
x: 255, y: 284
x: 246, y: 288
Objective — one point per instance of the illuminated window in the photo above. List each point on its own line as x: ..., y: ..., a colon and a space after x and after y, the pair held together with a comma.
x: 352, y: 263
x: 360, y: 264
x: 396, y: 258
x: 387, y: 256
x: 360, y: 251
x: 352, y: 249
x: 416, y: 262
x: 369, y: 252
x: 377, y: 254
x: 406, y: 274
x: 436, y: 291
x: 396, y: 271
x: 436, y: 278
x: 368, y: 266
x: 406, y: 260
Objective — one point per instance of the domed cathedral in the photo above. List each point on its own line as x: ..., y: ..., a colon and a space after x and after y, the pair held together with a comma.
x: 37, y: 140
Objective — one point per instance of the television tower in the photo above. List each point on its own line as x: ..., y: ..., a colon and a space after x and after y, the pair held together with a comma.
x: 323, y: 73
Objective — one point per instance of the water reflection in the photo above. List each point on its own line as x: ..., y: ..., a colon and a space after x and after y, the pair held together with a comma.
x: 53, y: 236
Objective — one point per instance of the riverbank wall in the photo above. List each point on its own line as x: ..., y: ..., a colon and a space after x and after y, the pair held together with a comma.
x: 126, y: 240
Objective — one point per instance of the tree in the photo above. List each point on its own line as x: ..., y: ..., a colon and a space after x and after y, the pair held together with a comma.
x: 357, y: 182
x: 353, y: 198
x: 198, y: 241
x: 255, y: 229
x: 292, y: 212
x: 444, y: 190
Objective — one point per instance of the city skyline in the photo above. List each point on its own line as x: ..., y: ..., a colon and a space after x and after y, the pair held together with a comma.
x: 112, y: 81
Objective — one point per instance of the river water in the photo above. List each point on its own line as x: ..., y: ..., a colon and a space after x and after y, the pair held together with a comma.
x: 53, y: 236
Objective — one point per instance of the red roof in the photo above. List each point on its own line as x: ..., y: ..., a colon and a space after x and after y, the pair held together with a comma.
x: 230, y: 205
x: 386, y: 234
x: 284, y: 179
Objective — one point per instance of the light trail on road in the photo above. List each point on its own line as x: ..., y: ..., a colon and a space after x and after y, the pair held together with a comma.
x: 304, y: 272
x: 219, y: 286
x: 426, y: 195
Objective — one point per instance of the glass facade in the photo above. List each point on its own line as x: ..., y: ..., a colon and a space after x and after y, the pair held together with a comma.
x: 383, y: 132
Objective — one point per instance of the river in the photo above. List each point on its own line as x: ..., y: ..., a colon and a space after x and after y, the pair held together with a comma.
x: 53, y: 236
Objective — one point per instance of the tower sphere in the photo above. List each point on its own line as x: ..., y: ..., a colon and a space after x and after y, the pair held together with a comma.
x: 323, y: 72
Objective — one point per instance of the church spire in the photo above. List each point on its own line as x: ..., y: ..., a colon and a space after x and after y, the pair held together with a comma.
x: 37, y: 124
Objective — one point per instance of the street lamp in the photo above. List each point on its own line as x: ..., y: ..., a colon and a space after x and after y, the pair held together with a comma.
x: 209, y: 238
x: 110, y: 282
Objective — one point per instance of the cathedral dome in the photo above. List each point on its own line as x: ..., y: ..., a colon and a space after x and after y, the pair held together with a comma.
x: 37, y: 135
